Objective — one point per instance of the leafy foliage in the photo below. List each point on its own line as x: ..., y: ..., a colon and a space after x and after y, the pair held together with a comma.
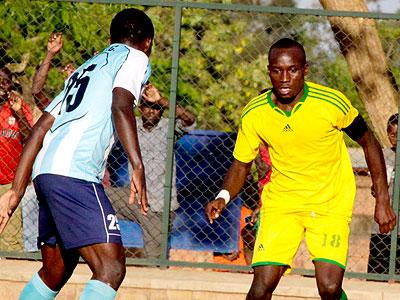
x: 223, y: 54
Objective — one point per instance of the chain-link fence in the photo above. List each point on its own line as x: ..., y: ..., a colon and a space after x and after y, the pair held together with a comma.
x: 208, y: 61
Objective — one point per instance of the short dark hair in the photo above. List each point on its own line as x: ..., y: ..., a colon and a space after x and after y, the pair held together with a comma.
x: 287, y: 43
x: 393, y: 120
x: 131, y: 25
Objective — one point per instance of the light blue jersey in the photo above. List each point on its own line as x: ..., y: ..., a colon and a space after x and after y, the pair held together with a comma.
x: 81, y: 137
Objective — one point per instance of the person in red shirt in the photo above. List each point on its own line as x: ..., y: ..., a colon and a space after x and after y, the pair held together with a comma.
x: 15, y: 126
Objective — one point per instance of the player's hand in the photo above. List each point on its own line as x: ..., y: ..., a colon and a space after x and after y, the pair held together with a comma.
x: 138, y: 190
x: 214, y: 209
x: 151, y: 94
x: 15, y: 101
x: 385, y: 217
x: 55, y: 43
x: 8, y: 203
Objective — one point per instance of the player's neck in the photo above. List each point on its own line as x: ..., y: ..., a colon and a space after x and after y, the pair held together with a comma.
x: 287, y: 104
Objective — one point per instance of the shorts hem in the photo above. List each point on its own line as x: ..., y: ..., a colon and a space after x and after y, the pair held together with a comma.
x: 269, y: 263
x: 85, y: 243
x: 334, y: 262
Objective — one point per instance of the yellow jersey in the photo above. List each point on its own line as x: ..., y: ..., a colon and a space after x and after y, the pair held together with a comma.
x: 311, y: 168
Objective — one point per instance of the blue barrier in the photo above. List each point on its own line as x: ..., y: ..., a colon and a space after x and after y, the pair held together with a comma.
x: 202, y: 159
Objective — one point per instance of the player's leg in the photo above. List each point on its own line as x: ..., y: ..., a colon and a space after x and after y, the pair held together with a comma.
x: 329, y: 280
x: 86, y: 221
x: 265, y: 280
x: 327, y: 241
x: 57, y: 268
x: 277, y: 241
x: 58, y: 264
x: 107, y: 262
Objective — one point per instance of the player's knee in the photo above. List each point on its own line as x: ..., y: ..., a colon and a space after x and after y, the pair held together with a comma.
x: 261, y: 289
x: 330, y: 291
x: 259, y: 292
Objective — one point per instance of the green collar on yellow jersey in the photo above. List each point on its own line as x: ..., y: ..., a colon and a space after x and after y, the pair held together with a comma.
x: 295, y: 108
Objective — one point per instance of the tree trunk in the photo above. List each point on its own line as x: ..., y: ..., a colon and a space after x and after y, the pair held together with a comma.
x: 360, y: 44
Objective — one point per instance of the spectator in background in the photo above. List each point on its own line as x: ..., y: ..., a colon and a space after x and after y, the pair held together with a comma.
x: 152, y: 131
x: 15, y: 126
x: 379, y: 247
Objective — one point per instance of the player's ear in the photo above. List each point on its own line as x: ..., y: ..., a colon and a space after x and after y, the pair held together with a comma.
x: 306, y: 69
x: 147, y: 44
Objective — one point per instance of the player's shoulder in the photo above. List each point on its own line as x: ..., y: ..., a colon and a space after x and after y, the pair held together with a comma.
x: 328, y: 96
x: 324, y: 90
x: 256, y: 104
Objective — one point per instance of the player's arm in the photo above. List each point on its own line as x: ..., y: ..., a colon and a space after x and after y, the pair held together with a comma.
x: 359, y: 132
x: 125, y: 125
x: 233, y: 182
x: 10, y: 200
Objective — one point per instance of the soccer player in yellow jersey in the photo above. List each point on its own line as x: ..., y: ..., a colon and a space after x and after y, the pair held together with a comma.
x: 312, y: 187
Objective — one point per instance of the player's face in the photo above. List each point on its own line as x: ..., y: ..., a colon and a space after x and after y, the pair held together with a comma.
x: 392, y: 135
x: 6, y: 85
x: 287, y: 70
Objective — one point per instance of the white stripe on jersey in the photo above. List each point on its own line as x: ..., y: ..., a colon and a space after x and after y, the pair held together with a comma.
x: 42, y: 153
x: 65, y: 152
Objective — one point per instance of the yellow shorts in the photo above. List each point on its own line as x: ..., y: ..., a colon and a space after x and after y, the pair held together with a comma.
x: 279, y: 236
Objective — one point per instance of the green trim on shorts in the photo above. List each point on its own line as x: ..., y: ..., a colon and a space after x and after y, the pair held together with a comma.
x: 344, y: 296
x: 331, y: 262
x: 269, y: 263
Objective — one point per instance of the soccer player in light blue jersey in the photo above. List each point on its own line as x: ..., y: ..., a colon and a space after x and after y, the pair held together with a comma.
x: 66, y: 155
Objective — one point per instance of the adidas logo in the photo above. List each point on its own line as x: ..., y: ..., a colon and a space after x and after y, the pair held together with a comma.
x: 287, y: 128
x: 261, y: 247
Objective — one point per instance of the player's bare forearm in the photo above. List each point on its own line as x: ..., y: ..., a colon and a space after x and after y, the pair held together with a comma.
x: 384, y: 214
x: 236, y: 177
x: 125, y: 126
x: 31, y: 149
x: 376, y: 165
x: 233, y: 182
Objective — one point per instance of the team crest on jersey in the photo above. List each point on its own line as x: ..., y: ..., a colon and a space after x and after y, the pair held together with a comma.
x: 11, y: 121
x: 287, y: 128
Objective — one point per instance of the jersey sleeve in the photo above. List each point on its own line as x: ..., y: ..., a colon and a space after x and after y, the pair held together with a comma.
x: 247, y: 142
x: 347, y: 113
x: 133, y: 73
